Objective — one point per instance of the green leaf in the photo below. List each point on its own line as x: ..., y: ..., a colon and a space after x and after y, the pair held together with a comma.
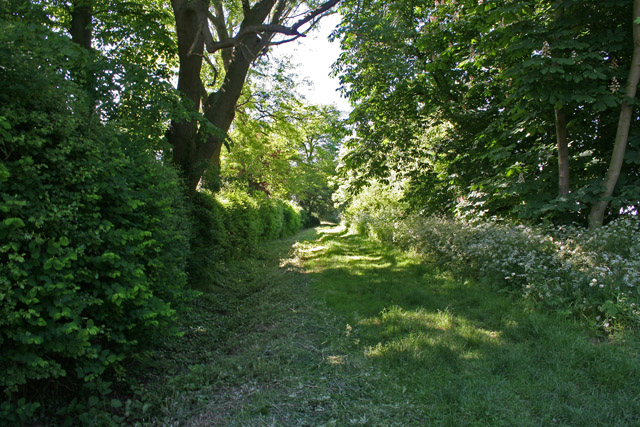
x: 609, y: 308
x: 13, y: 223
x: 94, y: 401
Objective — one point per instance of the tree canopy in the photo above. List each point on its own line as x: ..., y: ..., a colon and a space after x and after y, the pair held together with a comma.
x: 499, y: 107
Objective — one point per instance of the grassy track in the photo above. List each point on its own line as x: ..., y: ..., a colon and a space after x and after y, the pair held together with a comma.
x: 344, y: 332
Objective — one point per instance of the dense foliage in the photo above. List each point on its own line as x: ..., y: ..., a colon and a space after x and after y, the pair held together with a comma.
x: 94, y: 241
x: 469, y: 100
x: 283, y: 146
x: 99, y: 242
x: 585, y: 273
x: 230, y: 224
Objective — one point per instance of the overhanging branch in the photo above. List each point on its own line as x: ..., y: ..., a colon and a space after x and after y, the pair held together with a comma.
x: 271, y: 28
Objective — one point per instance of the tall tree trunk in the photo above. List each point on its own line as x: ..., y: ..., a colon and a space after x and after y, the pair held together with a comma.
x: 193, y: 148
x: 81, y: 30
x: 220, y: 108
x: 82, y: 23
x: 596, y: 216
x: 563, y: 153
x: 182, y: 133
x: 561, y: 134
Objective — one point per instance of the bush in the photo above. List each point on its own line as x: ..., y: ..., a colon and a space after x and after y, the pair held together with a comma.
x: 590, y: 273
x: 93, y: 238
x: 231, y: 224
x: 209, y: 241
x: 376, y: 211
x: 271, y: 216
x: 593, y: 274
x: 309, y: 220
x: 242, y: 221
x: 292, y: 218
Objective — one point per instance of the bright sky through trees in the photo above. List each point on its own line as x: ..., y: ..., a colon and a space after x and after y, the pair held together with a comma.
x: 313, y: 56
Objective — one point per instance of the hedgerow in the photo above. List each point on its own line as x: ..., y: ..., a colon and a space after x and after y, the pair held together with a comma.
x: 93, y: 241
x: 575, y: 271
x: 232, y: 223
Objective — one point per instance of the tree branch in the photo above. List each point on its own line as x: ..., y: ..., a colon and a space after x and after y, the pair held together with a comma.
x: 272, y: 28
x: 314, y: 13
x: 278, y: 12
x: 218, y: 22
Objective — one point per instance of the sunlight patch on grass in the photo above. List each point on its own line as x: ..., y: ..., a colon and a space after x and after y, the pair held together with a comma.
x: 336, y: 360
x: 424, y: 335
x: 332, y: 229
x: 309, y: 249
x: 329, y: 338
x: 362, y: 258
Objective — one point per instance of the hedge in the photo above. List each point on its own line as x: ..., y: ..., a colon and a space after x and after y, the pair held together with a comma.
x: 93, y: 237
x: 231, y: 224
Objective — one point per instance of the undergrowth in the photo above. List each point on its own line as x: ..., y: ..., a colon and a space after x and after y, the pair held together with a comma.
x: 586, y: 274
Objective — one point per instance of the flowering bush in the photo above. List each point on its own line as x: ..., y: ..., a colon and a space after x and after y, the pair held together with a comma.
x: 592, y: 273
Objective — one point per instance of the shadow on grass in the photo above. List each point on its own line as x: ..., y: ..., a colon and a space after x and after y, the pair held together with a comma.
x: 328, y: 328
x: 452, y: 342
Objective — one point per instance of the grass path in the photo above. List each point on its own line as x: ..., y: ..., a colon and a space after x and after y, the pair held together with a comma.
x: 344, y: 332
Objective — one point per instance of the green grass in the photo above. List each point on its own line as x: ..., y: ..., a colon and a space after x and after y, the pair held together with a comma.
x: 341, y: 331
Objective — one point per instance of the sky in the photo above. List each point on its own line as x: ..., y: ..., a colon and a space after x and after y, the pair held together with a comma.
x: 313, y: 56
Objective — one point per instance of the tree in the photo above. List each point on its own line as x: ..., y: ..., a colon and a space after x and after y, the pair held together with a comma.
x: 478, y: 118
x: 127, y: 63
x: 596, y: 217
x: 243, y: 32
x: 284, y: 147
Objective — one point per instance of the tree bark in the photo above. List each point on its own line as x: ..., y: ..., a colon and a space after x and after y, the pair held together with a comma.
x: 193, y: 149
x: 81, y: 30
x: 82, y: 23
x: 220, y: 108
x: 563, y: 153
x: 596, y: 216
x: 182, y: 133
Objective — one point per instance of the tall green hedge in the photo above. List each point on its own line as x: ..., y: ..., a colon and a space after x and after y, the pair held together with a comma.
x: 96, y: 238
x: 93, y: 237
x: 231, y: 224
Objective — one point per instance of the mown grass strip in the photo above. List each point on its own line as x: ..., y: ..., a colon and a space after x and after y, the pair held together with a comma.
x: 343, y: 331
x: 458, y: 353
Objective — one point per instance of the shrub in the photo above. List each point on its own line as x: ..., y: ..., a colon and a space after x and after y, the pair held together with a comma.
x: 376, y: 211
x: 93, y: 242
x: 569, y: 269
x: 271, y: 216
x: 292, y: 219
x: 242, y: 220
x: 232, y: 223
x: 309, y: 220
x: 209, y: 240
x: 590, y: 273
